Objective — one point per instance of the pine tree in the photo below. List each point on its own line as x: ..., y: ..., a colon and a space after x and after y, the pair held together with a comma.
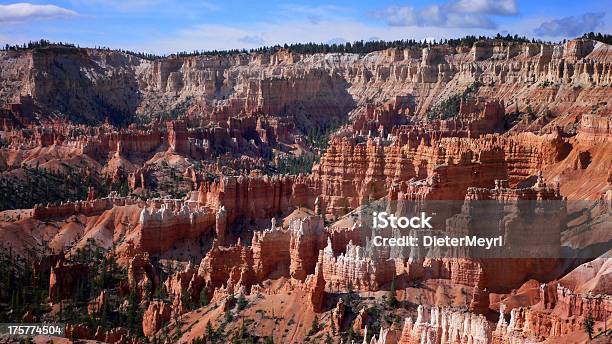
x: 132, y: 311
x: 187, y: 299
x: 589, y: 325
x: 350, y: 334
x: 210, y: 333
x: 392, y: 300
x: 314, y: 327
x: 242, y: 302
x: 204, y: 301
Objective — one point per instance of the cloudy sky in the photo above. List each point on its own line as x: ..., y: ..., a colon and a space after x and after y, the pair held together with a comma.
x: 163, y: 26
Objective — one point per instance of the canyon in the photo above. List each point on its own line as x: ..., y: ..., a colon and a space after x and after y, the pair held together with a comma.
x: 228, y: 197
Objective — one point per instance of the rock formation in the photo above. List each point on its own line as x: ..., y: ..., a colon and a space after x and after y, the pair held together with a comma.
x: 354, y: 270
x: 316, y: 289
x: 64, y: 279
x: 142, y: 277
x: 160, y: 228
x: 155, y: 317
x: 445, y: 325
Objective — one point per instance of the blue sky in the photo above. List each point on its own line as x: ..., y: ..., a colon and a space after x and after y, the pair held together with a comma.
x: 163, y: 26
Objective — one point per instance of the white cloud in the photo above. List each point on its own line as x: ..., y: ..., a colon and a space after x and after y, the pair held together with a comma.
x: 24, y: 11
x: 497, y: 7
x: 470, y: 20
x: 432, y: 15
x: 399, y: 16
x: 454, y: 13
x: 570, y: 26
x: 252, y: 39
